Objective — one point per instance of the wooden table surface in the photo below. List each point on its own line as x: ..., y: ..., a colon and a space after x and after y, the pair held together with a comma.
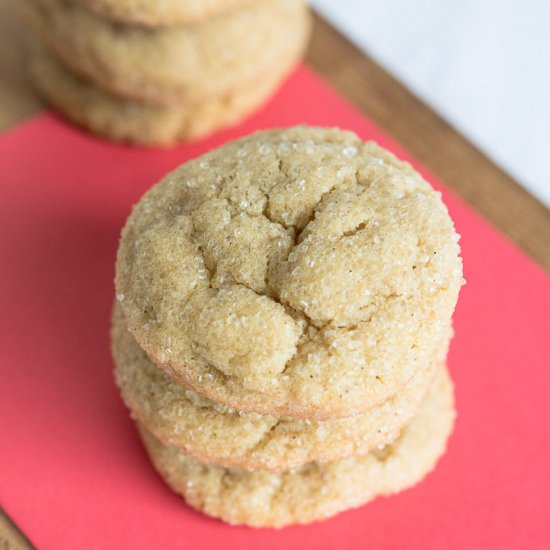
x: 387, y: 102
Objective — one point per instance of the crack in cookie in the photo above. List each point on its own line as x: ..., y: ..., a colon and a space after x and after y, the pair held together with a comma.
x: 311, y: 272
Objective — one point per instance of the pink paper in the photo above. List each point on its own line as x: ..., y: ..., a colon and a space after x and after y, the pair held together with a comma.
x: 72, y: 471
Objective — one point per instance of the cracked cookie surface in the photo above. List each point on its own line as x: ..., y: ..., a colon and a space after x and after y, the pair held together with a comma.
x: 215, y: 434
x: 179, y: 66
x: 298, y: 272
x: 315, y: 491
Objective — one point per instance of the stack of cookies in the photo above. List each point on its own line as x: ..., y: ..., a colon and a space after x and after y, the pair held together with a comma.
x: 282, y: 319
x: 163, y: 71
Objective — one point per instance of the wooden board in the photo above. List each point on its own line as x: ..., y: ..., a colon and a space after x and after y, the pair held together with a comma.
x: 11, y: 537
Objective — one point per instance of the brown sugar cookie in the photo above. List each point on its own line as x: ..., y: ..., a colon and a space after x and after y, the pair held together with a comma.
x: 297, y: 272
x: 174, y: 66
x: 139, y: 123
x: 215, y: 434
x: 161, y: 12
x: 315, y: 491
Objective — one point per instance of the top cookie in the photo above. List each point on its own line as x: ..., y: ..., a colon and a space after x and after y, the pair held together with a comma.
x: 297, y: 272
x: 160, y: 12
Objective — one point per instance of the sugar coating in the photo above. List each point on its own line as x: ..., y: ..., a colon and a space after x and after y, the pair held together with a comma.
x: 160, y: 12
x: 306, y: 272
x: 315, y: 491
x: 218, y: 435
x: 175, y: 66
x: 137, y: 122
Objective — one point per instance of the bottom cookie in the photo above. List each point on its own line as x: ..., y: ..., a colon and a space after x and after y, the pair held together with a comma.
x: 317, y: 490
x: 140, y: 123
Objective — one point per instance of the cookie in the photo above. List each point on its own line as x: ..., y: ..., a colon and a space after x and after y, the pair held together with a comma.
x: 297, y: 272
x: 161, y: 12
x: 139, y: 123
x: 174, y: 66
x: 315, y: 491
x: 215, y: 434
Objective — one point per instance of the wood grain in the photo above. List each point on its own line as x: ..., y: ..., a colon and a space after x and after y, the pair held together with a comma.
x: 17, y: 98
x: 11, y: 537
x: 381, y: 97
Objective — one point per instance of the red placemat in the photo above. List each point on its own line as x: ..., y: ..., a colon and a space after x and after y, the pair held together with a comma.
x: 72, y: 472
